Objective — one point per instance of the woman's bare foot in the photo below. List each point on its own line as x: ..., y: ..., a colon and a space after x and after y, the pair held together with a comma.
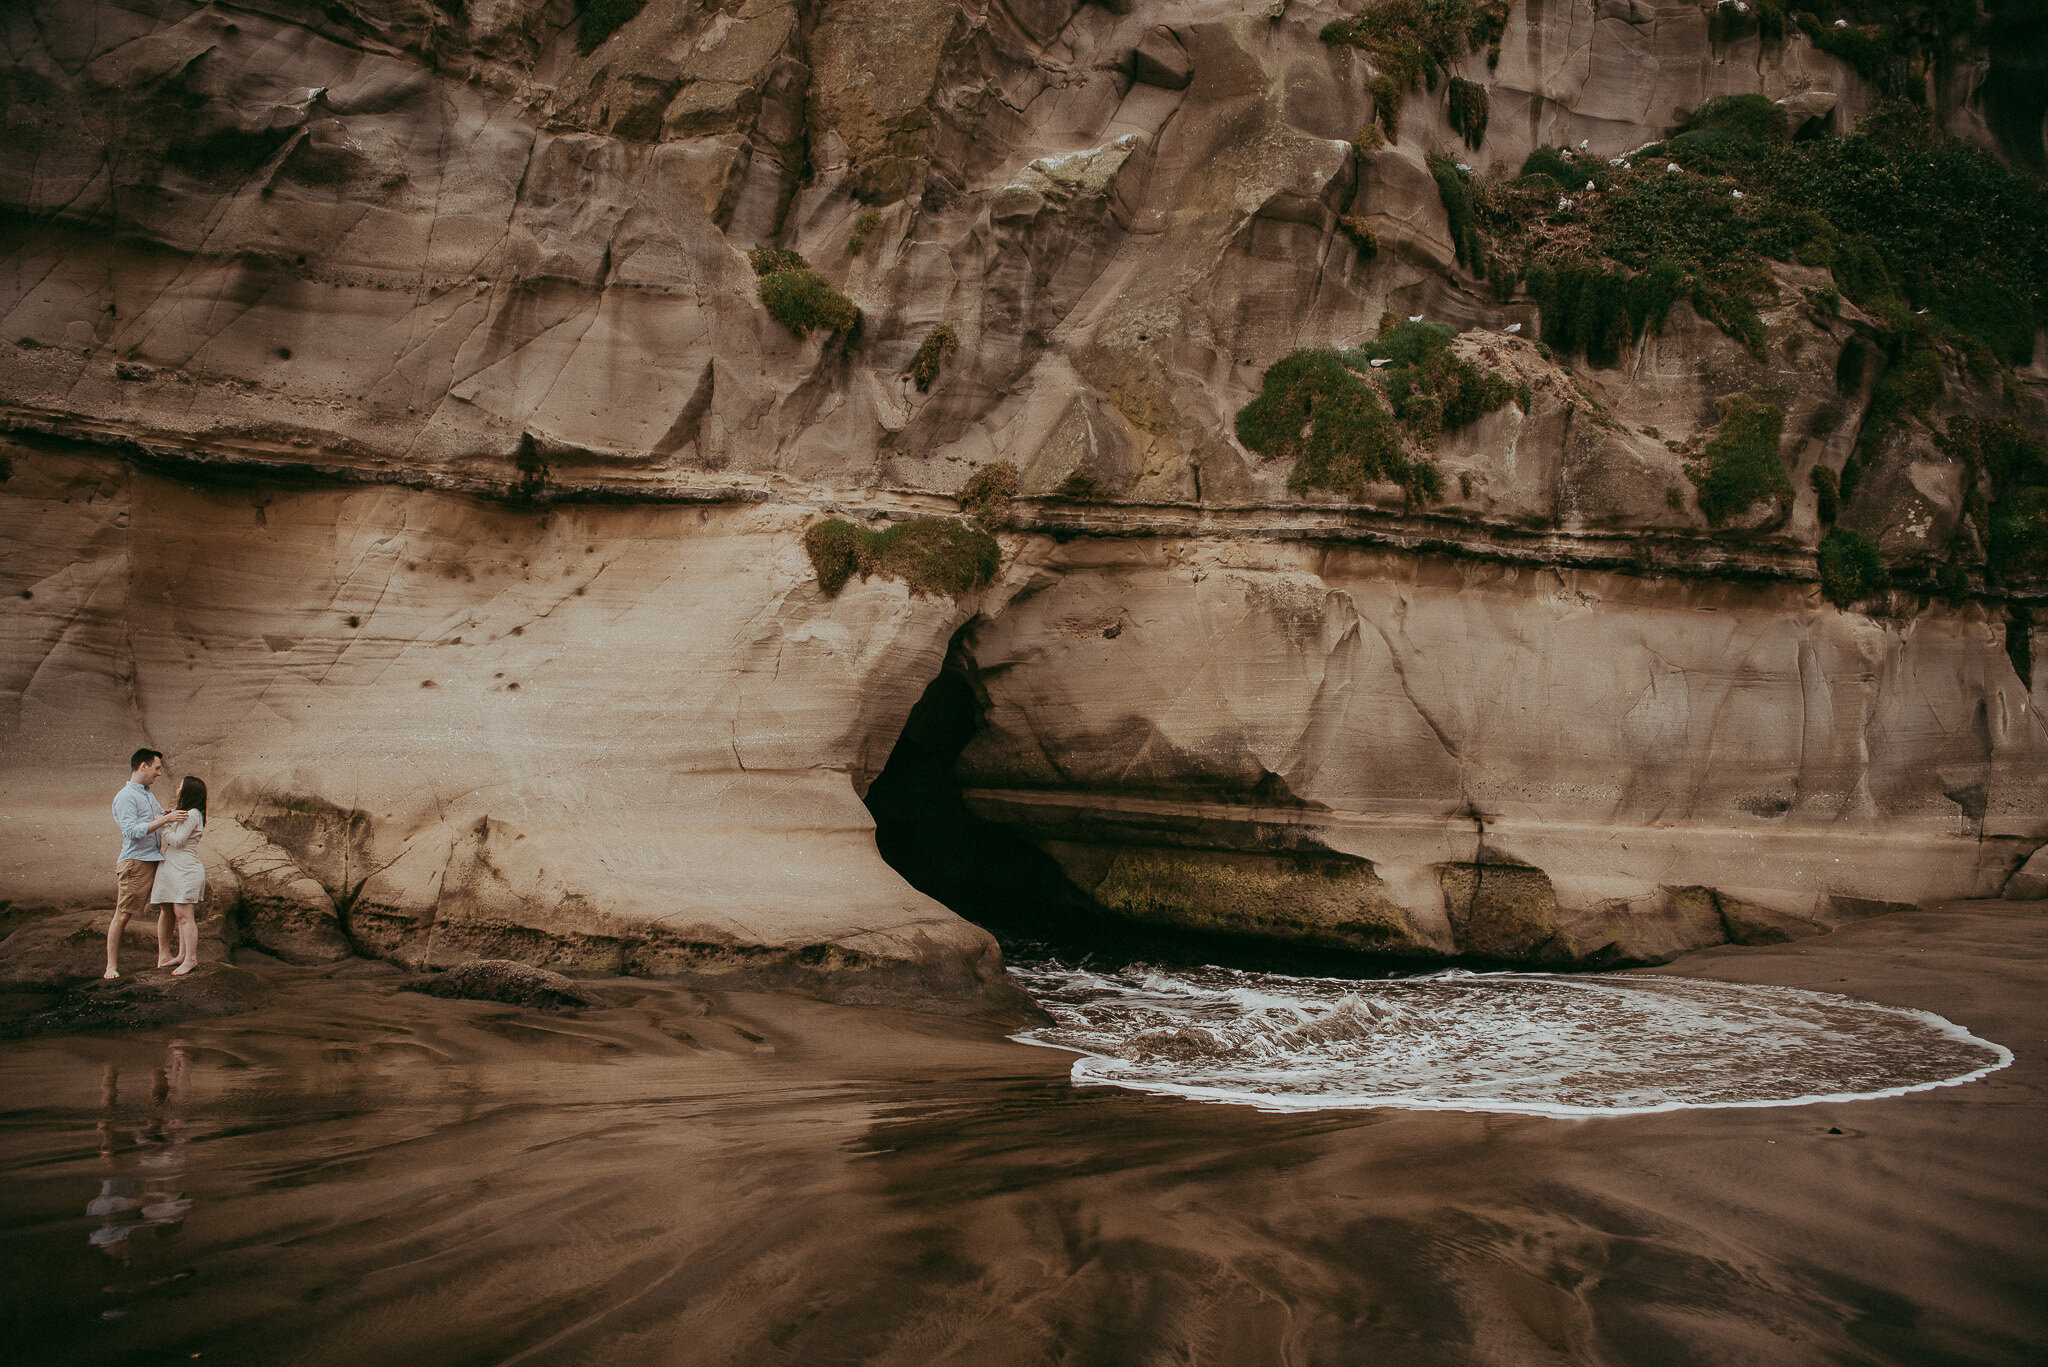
x: 111, y: 973
x: 165, y: 963
x: 182, y: 969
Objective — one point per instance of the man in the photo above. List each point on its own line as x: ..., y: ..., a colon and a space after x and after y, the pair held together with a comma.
x: 140, y: 816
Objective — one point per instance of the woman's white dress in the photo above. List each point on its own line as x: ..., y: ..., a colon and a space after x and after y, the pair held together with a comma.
x: 180, y: 877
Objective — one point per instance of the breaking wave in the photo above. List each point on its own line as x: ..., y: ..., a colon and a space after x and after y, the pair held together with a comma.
x: 1530, y: 1043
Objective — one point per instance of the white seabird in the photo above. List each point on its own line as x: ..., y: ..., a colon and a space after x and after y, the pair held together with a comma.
x: 1416, y: 318
x: 1512, y: 327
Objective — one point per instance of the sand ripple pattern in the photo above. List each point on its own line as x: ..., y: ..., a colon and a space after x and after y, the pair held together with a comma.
x: 1530, y: 1043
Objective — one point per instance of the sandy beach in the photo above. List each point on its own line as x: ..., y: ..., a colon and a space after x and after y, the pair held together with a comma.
x: 352, y: 1174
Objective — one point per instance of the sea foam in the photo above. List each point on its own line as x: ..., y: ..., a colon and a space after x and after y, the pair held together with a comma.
x: 1528, y: 1043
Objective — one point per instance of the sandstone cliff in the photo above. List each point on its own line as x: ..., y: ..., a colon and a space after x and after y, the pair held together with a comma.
x: 400, y: 440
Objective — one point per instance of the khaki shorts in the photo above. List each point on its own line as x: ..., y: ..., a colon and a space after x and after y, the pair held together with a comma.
x: 134, y: 878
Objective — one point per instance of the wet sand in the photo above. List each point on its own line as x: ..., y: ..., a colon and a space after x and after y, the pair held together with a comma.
x: 682, y: 1178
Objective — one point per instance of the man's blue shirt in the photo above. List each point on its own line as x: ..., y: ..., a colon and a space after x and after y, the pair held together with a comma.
x: 134, y: 808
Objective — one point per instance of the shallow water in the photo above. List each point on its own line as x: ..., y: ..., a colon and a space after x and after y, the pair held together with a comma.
x: 352, y: 1175
x: 1531, y: 1043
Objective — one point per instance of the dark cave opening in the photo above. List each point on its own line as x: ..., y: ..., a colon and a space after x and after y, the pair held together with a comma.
x: 997, y: 878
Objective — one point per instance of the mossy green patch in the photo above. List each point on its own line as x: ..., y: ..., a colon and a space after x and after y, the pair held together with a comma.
x: 1741, y: 466
x: 1499, y: 911
x: 1327, y: 900
x: 933, y: 555
x: 1850, y: 568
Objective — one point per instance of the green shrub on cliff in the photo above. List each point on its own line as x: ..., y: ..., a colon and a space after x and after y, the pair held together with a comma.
x: 933, y: 555
x: 1468, y: 110
x: 1827, y: 494
x: 1732, y: 130
x: 1741, y: 465
x: 2010, y: 453
x: 1850, y: 568
x: 1583, y: 307
x: 1361, y: 234
x: 1320, y: 413
x: 1405, y: 343
x: 863, y: 226
x: 988, y: 492
x: 938, y: 348
x: 1454, y: 188
x: 769, y: 260
x: 1563, y: 171
x: 1414, y: 42
x: 1430, y: 388
x: 1907, y: 386
x: 2016, y: 461
x: 1386, y: 105
x: 1865, y: 47
x: 1928, y: 233
x: 1728, y: 21
x: 801, y: 299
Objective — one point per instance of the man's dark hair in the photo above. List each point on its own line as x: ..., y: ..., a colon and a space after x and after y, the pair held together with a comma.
x: 142, y: 757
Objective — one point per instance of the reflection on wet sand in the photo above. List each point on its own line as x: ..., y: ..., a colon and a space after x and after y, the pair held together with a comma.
x: 381, y: 1177
x: 148, y: 1160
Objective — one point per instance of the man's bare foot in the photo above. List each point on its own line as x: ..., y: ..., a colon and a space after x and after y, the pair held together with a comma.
x: 182, y: 969
x: 165, y: 963
x: 111, y: 973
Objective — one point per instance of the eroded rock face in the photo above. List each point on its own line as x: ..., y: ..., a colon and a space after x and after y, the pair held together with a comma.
x: 618, y: 739
x: 288, y: 287
x: 394, y: 238
x: 1531, y: 765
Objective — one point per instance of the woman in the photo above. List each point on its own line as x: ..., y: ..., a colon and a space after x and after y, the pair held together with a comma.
x: 181, y: 878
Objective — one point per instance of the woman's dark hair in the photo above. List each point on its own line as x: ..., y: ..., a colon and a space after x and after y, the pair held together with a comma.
x: 192, y: 795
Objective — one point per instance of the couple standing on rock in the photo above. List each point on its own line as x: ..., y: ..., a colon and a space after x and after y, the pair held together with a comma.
x: 158, y: 865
